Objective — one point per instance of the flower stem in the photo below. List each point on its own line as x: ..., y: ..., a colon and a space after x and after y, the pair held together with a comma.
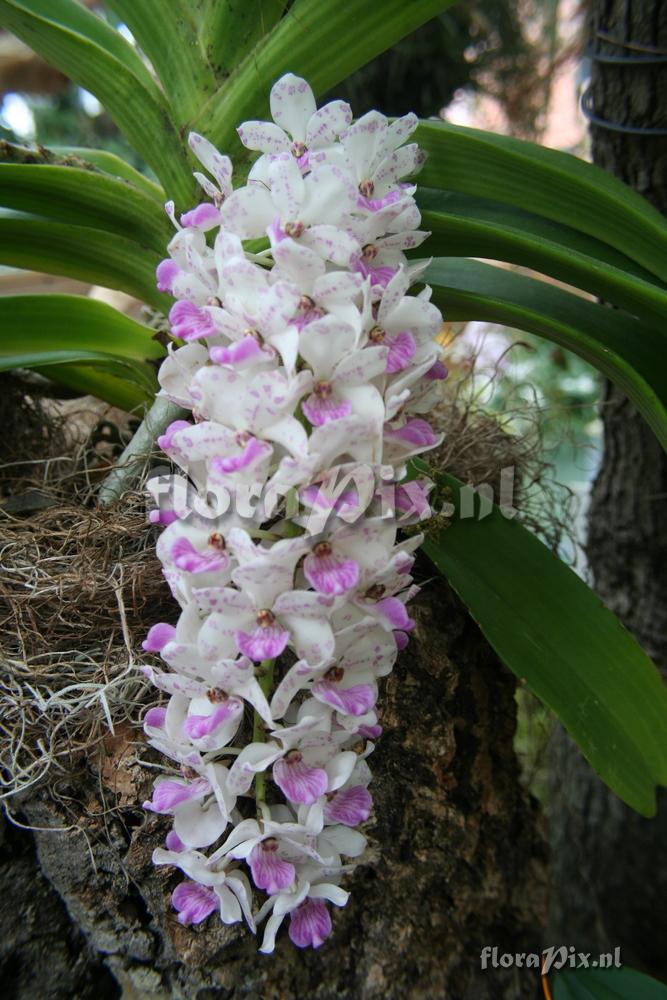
x: 264, y: 675
x: 128, y: 470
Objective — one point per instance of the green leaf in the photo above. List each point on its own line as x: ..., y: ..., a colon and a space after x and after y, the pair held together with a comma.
x: 607, y: 984
x: 84, y: 197
x: 168, y: 34
x: 77, y: 18
x: 324, y: 47
x: 617, y: 344
x: 132, y: 99
x: 95, y: 381
x: 140, y: 374
x: 48, y: 323
x: 547, y: 182
x: 464, y: 225
x: 555, y: 634
x: 230, y: 30
x: 115, y: 166
x: 82, y: 253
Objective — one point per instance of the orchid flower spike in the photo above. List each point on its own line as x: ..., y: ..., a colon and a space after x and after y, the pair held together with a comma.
x: 308, y: 368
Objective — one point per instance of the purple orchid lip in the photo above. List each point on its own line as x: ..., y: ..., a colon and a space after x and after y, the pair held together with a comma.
x: 168, y: 795
x: 252, y: 451
x: 355, y: 700
x: 395, y: 613
x: 329, y: 574
x: 189, y: 322
x: 166, y: 441
x: 415, y: 431
x: 193, y: 902
x: 321, y: 407
x: 199, y: 726
x: 299, y: 782
x: 269, y: 871
x: 187, y: 558
x: 155, y: 718
x: 158, y: 637
x: 350, y: 806
x: 165, y: 273
x: 310, y: 924
x: 204, y: 216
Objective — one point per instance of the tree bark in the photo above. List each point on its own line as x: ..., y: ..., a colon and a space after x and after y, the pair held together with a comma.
x: 609, y: 864
x: 456, y: 861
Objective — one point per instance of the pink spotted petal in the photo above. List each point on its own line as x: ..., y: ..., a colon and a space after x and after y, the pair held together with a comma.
x: 299, y: 782
x: 204, y: 217
x: 356, y: 700
x: 187, y: 558
x: 370, y: 732
x: 189, y: 322
x: 330, y: 575
x: 394, y: 611
x: 166, y: 272
x: 310, y: 924
x: 193, y: 902
x: 263, y: 643
x: 158, y: 637
x: 269, y: 871
x: 350, y: 806
x: 321, y: 411
x: 402, y: 348
x: 197, y: 726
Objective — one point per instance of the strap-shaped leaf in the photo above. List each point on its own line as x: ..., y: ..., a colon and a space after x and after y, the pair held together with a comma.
x: 606, y: 984
x: 230, y: 30
x: 115, y: 166
x: 617, y: 344
x: 168, y: 34
x: 82, y: 253
x: 55, y: 323
x: 324, y: 46
x: 136, y: 104
x: 463, y: 225
x: 84, y: 197
x: 140, y: 374
x: 78, y: 18
x: 88, y: 380
x: 547, y: 182
x: 553, y: 632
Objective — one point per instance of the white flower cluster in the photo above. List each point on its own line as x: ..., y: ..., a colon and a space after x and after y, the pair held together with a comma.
x: 306, y: 362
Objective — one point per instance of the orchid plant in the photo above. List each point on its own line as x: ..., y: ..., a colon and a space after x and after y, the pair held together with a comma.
x: 302, y: 353
x: 302, y: 364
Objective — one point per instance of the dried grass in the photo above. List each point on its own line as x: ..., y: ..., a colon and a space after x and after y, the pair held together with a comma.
x: 78, y: 584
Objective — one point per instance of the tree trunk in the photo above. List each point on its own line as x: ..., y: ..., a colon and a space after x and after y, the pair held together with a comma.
x: 456, y: 861
x: 609, y: 864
